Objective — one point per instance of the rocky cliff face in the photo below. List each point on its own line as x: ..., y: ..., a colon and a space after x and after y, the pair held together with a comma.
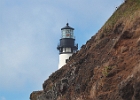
x: 107, y: 67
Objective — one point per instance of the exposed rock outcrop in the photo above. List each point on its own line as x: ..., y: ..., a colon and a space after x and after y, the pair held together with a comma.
x: 107, y: 67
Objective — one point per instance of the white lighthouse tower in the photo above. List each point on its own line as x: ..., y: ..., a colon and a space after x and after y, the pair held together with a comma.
x: 67, y: 45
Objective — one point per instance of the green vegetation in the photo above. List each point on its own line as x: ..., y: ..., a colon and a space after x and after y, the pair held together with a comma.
x: 125, y: 11
x: 106, y: 70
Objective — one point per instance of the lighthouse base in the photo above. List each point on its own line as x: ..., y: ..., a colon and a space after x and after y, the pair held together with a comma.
x: 62, y: 59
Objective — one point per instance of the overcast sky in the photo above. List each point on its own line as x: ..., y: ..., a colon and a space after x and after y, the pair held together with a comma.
x: 29, y: 33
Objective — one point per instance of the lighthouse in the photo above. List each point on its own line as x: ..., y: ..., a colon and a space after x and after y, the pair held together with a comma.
x: 67, y: 45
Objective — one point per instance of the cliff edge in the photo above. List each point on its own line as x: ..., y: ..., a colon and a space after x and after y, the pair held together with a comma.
x: 107, y: 67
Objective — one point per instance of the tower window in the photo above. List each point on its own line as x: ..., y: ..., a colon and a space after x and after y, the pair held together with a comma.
x: 66, y: 49
x: 67, y: 60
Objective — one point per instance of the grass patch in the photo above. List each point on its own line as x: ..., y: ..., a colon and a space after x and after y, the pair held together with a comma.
x: 124, y: 12
x: 106, y: 70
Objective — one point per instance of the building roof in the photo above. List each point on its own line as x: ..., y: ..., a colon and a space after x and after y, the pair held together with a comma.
x: 67, y: 27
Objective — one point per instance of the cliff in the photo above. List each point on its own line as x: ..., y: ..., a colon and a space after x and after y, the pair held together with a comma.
x: 107, y: 67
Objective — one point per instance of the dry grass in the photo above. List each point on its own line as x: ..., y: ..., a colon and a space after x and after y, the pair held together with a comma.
x: 125, y: 13
x: 137, y: 33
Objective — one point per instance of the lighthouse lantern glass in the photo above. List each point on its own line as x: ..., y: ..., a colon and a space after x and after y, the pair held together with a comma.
x: 67, y: 33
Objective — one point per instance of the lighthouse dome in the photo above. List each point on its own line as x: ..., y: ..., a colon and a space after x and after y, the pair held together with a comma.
x: 67, y: 27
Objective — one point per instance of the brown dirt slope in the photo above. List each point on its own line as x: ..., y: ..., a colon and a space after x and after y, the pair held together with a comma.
x: 107, y: 67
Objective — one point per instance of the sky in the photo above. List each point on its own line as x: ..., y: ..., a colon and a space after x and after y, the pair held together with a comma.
x: 29, y: 34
